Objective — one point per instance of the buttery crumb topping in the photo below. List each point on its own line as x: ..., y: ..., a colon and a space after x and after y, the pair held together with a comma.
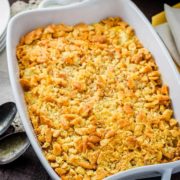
x: 96, y: 100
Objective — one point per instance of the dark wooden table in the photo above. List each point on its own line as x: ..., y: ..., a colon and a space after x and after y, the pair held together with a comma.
x: 28, y: 167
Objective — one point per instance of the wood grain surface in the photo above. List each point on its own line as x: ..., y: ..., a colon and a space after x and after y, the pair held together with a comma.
x: 28, y: 167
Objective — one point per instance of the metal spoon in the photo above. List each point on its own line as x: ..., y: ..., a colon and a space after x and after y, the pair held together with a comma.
x: 7, y: 113
x: 13, y: 146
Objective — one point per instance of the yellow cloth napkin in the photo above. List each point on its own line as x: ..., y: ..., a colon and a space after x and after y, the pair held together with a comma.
x: 166, y: 26
x: 160, y: 18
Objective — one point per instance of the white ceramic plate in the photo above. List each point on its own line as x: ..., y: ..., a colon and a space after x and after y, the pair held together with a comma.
x: 90, y: 11
x: 4, y: 15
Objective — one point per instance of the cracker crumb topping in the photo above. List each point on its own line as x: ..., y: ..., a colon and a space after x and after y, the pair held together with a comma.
x: 96, y: 100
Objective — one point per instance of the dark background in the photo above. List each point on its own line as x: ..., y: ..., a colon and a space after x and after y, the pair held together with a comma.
x: 28, y: 167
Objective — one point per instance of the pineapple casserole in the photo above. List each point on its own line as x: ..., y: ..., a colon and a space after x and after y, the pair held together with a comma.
x: 96, y: 100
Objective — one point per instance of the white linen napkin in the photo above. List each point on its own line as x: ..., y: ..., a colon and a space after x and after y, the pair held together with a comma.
x: 170, y: 32
x: 5, y: 90
x: 5, y: 87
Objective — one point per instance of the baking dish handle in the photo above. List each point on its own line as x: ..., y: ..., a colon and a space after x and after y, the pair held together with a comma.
x: 55, y: 3
x: 143, y: 172
x: 166, y: 175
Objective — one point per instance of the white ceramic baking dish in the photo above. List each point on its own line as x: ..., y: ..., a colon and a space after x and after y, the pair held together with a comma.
x: 90, y: 11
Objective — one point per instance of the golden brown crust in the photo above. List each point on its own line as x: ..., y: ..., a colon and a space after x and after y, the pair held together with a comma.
x: 96, y: 100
